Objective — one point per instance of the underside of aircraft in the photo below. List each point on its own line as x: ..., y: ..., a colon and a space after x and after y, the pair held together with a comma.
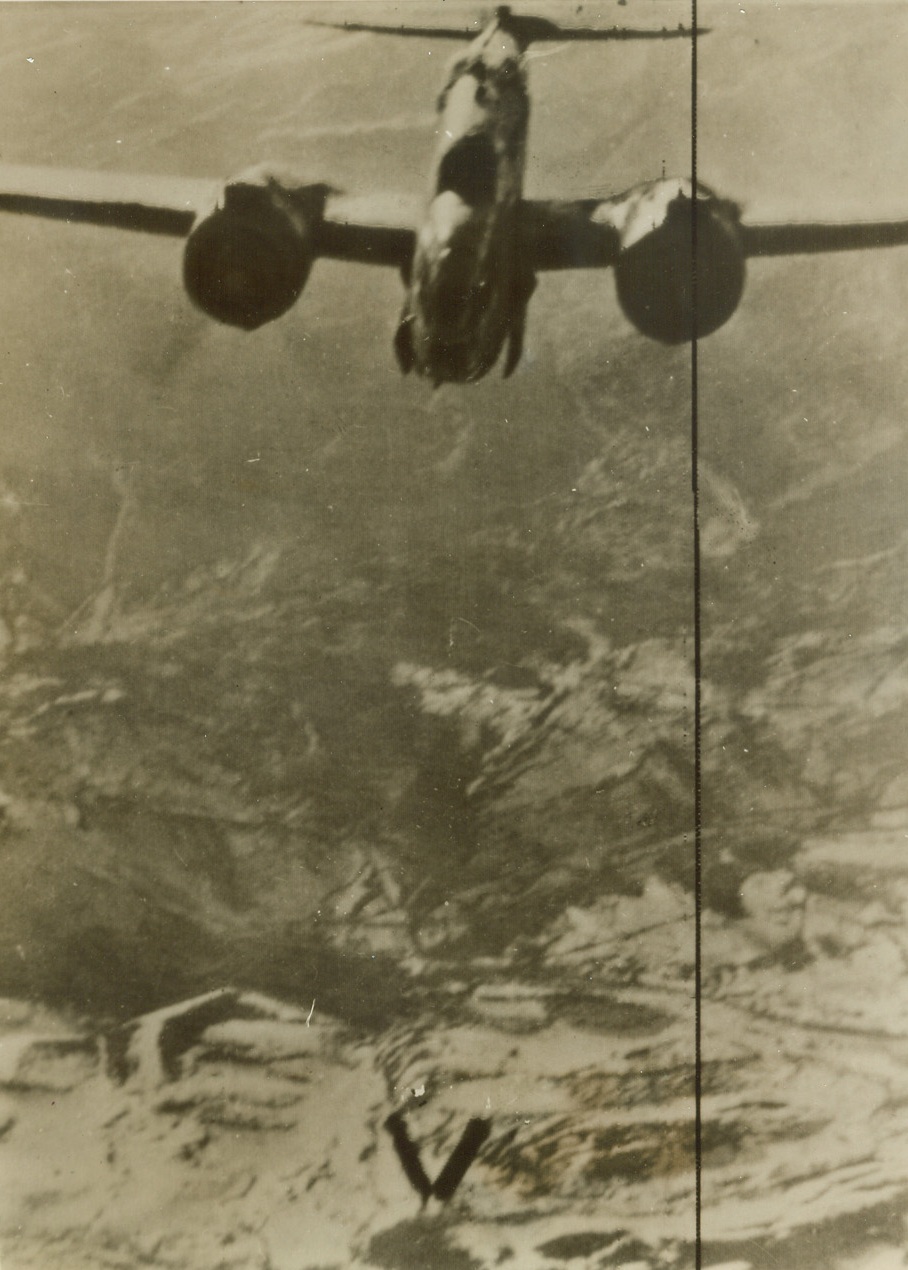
x: 469, y: 258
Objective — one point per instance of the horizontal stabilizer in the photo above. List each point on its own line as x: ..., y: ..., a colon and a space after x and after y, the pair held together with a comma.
x: 424, y: 32
x: 526, y: 29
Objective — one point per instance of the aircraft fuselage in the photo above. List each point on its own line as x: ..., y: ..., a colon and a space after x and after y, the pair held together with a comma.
x: 468, y: 289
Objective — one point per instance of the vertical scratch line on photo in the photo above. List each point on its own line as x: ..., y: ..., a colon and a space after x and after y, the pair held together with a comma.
x: 698, y: 702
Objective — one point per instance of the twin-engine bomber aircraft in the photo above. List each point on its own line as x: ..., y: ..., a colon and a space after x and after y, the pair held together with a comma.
x: 470, y: 264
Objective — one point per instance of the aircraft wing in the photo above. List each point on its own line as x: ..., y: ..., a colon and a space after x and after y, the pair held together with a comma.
x: 376, y: 230
x: 592, y: 233
x: 679, y: 252
x: 803, y: 238
x: 148, y: 204
x: 577, y: 234
x: 251, y: 241
x: 558, y: 234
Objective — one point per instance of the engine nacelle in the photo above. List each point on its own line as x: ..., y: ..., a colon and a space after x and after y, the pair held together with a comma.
x: 246, y: 262
x: 657, y: 288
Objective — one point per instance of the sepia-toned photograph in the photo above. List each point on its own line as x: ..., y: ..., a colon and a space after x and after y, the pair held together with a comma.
x: 454, y: 635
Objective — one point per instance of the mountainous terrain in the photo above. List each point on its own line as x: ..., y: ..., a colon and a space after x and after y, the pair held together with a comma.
x: 347, y: 753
